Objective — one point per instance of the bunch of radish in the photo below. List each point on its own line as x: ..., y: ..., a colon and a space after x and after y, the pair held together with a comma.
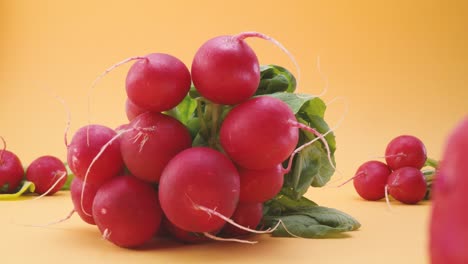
x: 401, y: 176
x: 205, y: 160
x: 46, y: 175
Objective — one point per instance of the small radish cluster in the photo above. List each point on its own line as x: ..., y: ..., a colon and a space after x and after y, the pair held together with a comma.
x: 153, y: 175
x: 47, y: 173
x: 400, y: 176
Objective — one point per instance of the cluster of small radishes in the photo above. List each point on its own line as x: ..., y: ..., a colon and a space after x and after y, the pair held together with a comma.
x: 401, y: 176
x: 47, y: 173
x: 145, y: 178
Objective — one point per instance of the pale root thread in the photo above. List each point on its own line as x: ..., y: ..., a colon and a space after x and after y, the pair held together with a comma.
x: 64, y: 174
x: 70, y: 214
x: 4, y: 149
x: 387, y: 200
x: 102, y: 75
x: 244, y: 35
x: 106, y: 234
x: 213, y: 237
x: 350, y: 179
x: 68, y: 123
x: 319, y: 136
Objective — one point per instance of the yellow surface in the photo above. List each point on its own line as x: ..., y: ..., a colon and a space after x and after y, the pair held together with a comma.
x: 400, y: 65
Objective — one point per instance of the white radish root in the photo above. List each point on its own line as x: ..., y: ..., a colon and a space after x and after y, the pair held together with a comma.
x: 56, y: 222
x: 250, y: 34
x: 102, y: 75
x: 64, y: 174
x: 3, y: 150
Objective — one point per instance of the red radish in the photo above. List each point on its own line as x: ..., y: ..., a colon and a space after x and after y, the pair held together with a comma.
x: 126, y: 211
x: 88, y: 192
x: 48, y: 174
x: 407, y: 185
x: 86, y: 145
x: 260, y: 185
x: 405, y: 151
x: 199, y: 178
x: 246, y: 214
x: 370, y: 180
x: 132, y: 110
x: 11, y: 170
x: 449, y: 217
x: 257, y: 134
x: 225, y: 69
x: 158, y: 82
x: 147, y: 151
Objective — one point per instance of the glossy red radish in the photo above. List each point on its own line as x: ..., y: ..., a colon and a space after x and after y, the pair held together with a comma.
x: 226, y: 70
x: 262, y: 132
x: 126, y: 211
x: 86, y: 193
x: 246, y: 214
x: 153, y: 140
x: 448, y: 233
x: 407, y: 185
x: 11, y: 170
x: 158, y: 82
x: 260, y: 185
x: 370, y: 180
x: 405, y: 151
x: 86, y: 144
x: 195, y: 179
x: 48, y: 174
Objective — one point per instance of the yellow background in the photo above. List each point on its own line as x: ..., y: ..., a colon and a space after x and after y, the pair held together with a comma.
x: 400, y: 66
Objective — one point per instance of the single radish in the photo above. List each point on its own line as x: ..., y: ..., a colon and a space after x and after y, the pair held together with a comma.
x: 448, y: 229
x: 261, y: 133
x: 405, y: 151
x: 407, y: 185
x: 246, y: 214
x: 260, y: 185
x: 132, y: 110
x: 84, y: 148
x: 158, y: 82
x: 154, y: 139
x: 126, y: 211
x: 195, y: 180
x: 11, y: 170
x: 48, y: 174
x: 370, y: 180
x: 225, y: 70
x: 88, y: 192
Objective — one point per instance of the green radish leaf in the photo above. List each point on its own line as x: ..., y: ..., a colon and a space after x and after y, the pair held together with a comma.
x: 184, y: 111
x: 311, y: 222
x: 311, y: 166
x: 274, y: 78
x: 27, y: 187
x: 4, y: 188
x: 70, y: 177
x: 294, y: 101
x: 193, y: 93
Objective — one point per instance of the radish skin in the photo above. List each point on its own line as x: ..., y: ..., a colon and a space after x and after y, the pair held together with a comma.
x: 11, y: 170
x: 448, y: 231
